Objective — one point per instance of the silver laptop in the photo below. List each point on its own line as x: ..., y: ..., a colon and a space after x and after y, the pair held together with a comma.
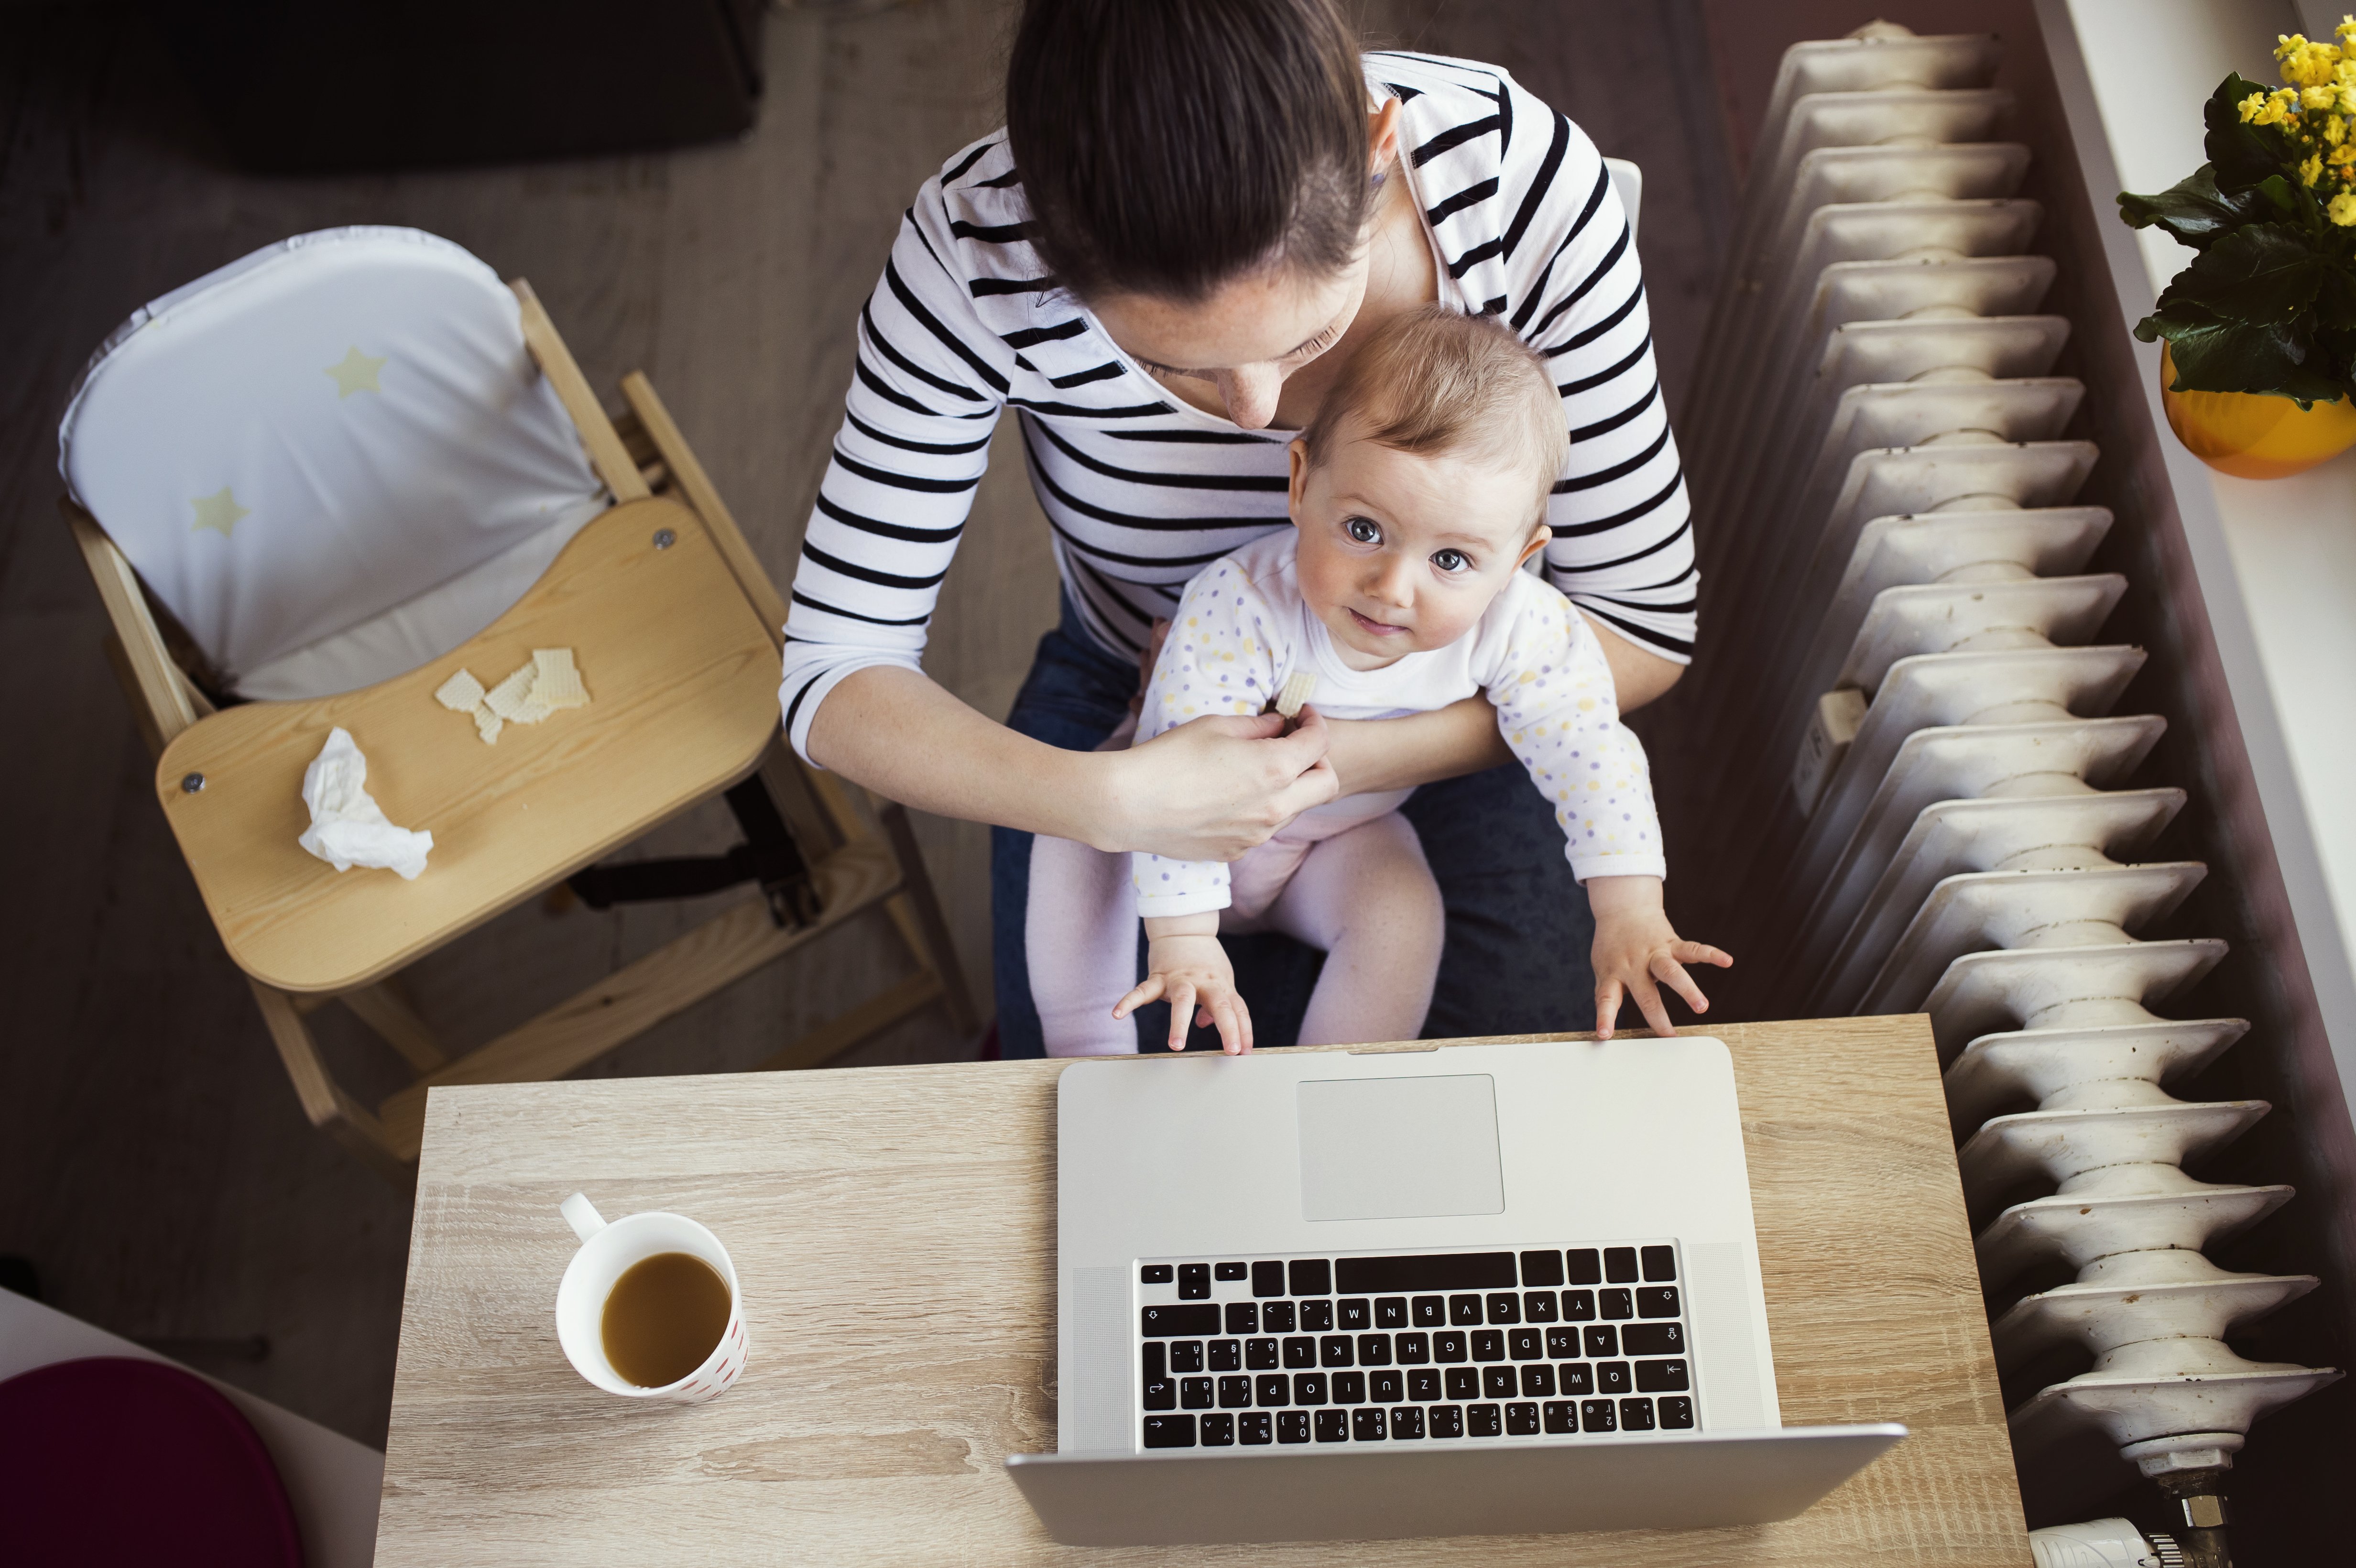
x: 1463, y: 1290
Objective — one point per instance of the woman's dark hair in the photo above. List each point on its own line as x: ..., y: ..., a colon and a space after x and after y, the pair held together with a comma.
x: 1168, y: 147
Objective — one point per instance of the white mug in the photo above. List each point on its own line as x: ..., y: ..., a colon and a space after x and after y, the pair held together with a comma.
x: 605, y: 1252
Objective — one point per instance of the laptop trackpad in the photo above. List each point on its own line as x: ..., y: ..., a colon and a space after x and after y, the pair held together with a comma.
x: 1399, y: 1148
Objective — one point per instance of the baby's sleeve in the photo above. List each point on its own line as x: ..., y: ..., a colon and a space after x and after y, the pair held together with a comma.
x: 1560, y: 712
x: 1221, y: 657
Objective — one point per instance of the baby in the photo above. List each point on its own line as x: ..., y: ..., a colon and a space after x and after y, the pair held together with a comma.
x: 1417, y: 493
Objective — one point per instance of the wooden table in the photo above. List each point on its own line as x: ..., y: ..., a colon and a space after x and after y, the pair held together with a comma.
x: 894, y: 1229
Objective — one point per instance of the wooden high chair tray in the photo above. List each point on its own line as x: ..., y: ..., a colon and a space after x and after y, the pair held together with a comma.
x: 682, y: 677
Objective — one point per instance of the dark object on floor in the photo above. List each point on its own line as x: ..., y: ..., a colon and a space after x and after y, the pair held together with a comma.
x: 385, y: 84
x: 112, y: 1460
x: 18, y: 1274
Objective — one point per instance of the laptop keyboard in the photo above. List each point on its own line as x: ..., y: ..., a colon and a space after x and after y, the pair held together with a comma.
x: 1412, y: 1347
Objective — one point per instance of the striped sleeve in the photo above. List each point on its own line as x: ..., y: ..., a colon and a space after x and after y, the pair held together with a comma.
x: 926, y: 389
x: 1622, y: 547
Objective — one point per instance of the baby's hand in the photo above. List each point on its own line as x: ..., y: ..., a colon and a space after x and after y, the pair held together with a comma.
x: 1186, y: 963
x: 1635, y: 948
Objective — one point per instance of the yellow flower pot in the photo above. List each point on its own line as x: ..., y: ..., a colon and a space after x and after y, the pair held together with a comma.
x: 2255, y: 435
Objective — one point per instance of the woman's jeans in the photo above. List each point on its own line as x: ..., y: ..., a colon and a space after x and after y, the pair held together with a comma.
x: 1515, y: 959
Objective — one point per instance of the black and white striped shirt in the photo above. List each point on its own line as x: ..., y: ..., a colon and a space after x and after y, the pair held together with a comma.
x: 1144, y: 490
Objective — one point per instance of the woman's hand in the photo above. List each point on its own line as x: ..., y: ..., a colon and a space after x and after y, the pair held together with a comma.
x: 1184, y: 962
x: 1214, y: 787
x: 1638, y: 953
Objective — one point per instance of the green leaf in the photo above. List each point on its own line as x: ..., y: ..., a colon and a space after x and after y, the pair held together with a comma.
x: 2215, y: 356
x: 2335, y: 302
x: 2266, y: 274
x: 2240, y: 155
x: 2196, y: 212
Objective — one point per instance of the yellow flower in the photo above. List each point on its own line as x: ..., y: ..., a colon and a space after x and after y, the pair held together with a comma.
x: 2272, y: 110
x: 2250, y: 105
x: 2346, y: 30
x: 2343, y: 210
x: 2319, y: 97
x: 2305, y: 64
x: 2335, y: 134
x: 2310, y: 170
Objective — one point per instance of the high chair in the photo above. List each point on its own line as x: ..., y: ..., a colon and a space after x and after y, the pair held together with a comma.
x: 314, y: 484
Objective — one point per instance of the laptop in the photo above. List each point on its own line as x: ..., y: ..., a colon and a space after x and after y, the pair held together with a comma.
x: 1462, y: 1290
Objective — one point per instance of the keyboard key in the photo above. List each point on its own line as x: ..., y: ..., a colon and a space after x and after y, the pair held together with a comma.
x: 1616, y: 1304
x: 1349, y: 1388
x: 1465, y: 1311
x: 1387, y: 1387
x: 1260, y: 1355
x: 1229, y: 1271
x: 1412, y: 1349
x: 1161, y: 1393
x: 1676, y: 1414
x: 1575, y: 1378
x: 1423, y: 1383
x: 1310, y: 1276
x: 1499, y: 1383
x: 1169, y: 1432
x: 1292, y: 1427
x: 1596, y: 1415
x: 1277, y: 1317
x: 1431, y: 1311
x: 1333, y: 1427
x: 1316, y: 1316
x: 1186, y: 1355
x: 1657, y: 1301
x: 1333, y: 1351
x: 1166, y: 1322
x: 1483, y: 1420
x: 1524, y: 1344
x: 1603, y: 1340
x: 1612, y: 1377
x: 1193, y: 1282
x: 1368, y: 1426
x: 1155, y: 1359
x: 1578, y: 1306
x: 1407, y: 1424
x: 1390, y: 1312
x: 1309, y: 1388
x: 1505, y: 1308
x: 1542, y: 1268
x: 1226, y: 1355
x: 1268, y: 1278
x: 1463, y: 1383
x: 1448, y: 1345
x: 1522, y: 1419
x: 1356, y: 1313
x: 1561, y: 1417
x: 1660, y: 1263
x: 1218, y: 1432
x: 1562, y: 1343
x: 1155, y: 1273
x: 1432, y: 1271
x: 1538, y: 1307
x: 1661, y: 1377
x: 1653, y: 1338
x: 1243, y: 1317
x: 1373, y: 1349
x: 1273, y: 1389
x: 1448, y: 1420
x: 1585, y: 1267
x: 1488, y: 1344
x: 1620, y: 1264
x: 1300, y: 1350
x: 1235, y: 1393
x: 1538, y: 1382
x: 1253, y: 1428
x: 1635, y: 1415
x: 1193, y: 1393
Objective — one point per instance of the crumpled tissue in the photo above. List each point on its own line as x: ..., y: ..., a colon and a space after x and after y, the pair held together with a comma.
x: 348, y: 827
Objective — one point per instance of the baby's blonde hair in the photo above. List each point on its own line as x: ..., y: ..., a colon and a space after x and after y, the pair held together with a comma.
x: 1433, y: 381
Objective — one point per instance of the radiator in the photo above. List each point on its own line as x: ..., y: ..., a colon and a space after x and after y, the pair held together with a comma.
x: 1882, y: 464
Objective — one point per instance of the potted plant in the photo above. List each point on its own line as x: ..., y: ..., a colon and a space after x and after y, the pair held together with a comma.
x: 2258, y: 370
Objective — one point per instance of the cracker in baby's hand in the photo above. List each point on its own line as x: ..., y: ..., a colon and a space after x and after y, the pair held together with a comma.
x: 1298, y: 688
x: 462, y: 693
x: 512, y: 698
x: 555, y: 682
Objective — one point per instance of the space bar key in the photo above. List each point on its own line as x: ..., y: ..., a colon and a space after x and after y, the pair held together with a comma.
x: 1433, y: 1271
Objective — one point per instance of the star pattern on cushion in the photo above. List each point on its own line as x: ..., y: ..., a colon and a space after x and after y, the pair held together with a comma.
x: 356, y: 373
x: 217, y: 512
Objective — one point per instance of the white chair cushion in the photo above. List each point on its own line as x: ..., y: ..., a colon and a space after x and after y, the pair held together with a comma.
x: 333, y: 460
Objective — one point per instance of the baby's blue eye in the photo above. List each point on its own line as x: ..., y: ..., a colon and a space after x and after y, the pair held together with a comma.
x: 1450, y: 561
x: 1362, y: 530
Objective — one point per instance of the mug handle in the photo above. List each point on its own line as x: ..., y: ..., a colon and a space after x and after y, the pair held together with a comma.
x: 582, y: 1215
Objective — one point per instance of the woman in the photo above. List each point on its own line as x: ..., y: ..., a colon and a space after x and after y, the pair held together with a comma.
x: 1196, y: 210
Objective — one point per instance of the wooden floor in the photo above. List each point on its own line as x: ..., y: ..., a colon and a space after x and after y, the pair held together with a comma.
x: 153, y: 1164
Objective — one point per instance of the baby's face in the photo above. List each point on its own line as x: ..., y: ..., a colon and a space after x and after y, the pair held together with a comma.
x: 1401, y: 553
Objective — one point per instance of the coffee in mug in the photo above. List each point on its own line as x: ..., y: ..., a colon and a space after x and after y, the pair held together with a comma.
x: 649, y: 1307
x: 663, y: 1318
